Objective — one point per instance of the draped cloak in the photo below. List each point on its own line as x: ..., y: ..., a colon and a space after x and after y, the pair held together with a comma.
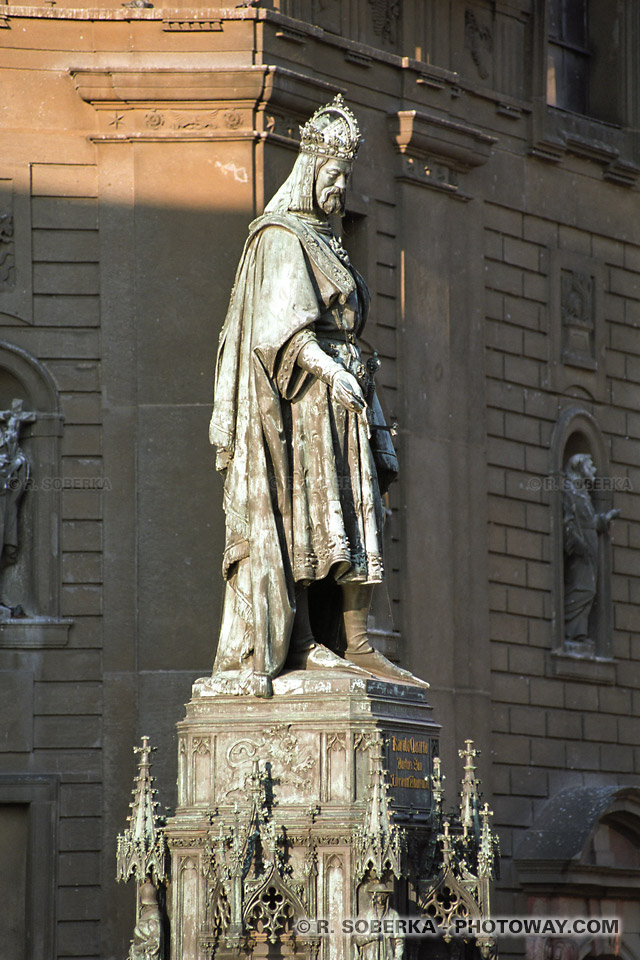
x: 581, y: 527
x: 288, y: 279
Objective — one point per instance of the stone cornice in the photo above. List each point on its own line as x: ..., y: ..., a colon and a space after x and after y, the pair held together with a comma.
x: 454, y: 143
x: 217, y: 103
x: 277, y: 85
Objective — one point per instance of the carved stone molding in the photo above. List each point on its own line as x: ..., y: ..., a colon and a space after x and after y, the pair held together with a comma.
x: 191, y: 25
x: 221, y: 103
x: 34, y: 633
x: 97, y: 85
x: 435, y: 150
x: 453, y: 142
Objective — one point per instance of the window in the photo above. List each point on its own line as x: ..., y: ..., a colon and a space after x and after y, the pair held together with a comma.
x: 584, y: 53
x: 585, y: 83
x: 569, y: 55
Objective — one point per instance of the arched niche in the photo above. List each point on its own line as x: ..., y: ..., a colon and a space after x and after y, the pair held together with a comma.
x: 577, y: 432
x: 33, y: 581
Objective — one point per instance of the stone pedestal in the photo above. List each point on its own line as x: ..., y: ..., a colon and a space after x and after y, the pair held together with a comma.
x: 289, y: 807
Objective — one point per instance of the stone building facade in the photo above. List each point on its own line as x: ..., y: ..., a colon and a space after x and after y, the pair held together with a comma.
x: 494, y: 213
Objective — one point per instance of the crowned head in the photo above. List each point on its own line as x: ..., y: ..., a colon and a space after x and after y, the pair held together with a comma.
x: 329, y: 143
x: 332, y: 131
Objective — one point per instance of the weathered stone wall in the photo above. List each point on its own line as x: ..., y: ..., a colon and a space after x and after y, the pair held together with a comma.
x: 550, y: 731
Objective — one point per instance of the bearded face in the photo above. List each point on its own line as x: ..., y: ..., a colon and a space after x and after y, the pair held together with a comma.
x: 331, y: 186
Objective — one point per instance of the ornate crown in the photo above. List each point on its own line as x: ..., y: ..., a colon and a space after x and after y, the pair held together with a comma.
x: 332, y: 131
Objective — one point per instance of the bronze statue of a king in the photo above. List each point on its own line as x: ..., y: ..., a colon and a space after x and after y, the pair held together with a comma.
x: 300, y: 434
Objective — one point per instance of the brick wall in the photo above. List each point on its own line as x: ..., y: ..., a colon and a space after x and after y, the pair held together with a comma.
x: 549, y: 732
x: 67, y: 724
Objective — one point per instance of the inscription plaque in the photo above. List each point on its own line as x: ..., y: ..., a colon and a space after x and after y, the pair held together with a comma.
x: 409, y: 762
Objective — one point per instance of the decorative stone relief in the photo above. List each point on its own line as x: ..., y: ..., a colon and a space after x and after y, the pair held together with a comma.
x: 385, y: 15
x: 337, y: 767
x: 232, y: 119
x: 279, y: 746
x: 283, y: 125
x: 576, y: 331
x: 577, y: 312
x: 192, y: 121
x: 328, y: 15
x: 7, y: 252
x: 16, y: 253
x: 195, y: 121
x: 478, y: 40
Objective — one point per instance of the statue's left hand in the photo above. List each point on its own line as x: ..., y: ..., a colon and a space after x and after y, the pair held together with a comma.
x: 346, y: 390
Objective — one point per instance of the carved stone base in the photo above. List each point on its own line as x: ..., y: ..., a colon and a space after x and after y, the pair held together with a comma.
x: 284, y: 809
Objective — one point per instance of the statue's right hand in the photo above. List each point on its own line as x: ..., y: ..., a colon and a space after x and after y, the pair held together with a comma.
x: 346, y: 390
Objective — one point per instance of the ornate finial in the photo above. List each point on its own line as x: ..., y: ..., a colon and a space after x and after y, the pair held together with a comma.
x: 469, y: 792
x: 489, y: 847
x: 141, y: 854
x: 459, y: 880
x: 445, y: 840
x: 379, y: 843
x: 332, y: 131
x: 141, y: 848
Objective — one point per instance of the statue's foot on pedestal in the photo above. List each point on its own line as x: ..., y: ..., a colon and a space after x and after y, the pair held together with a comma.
x: 319, y: 657
x: 375, y: 662
x: 234, y: 683
x: 260, y: 685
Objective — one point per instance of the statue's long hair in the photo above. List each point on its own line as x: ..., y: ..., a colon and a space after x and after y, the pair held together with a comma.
x: 296, y: 193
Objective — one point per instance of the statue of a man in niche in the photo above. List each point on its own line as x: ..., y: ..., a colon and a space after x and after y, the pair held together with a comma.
x: 582, y: 525
x: 14, y: 477
x: 299, y: 433
x: 383, y: 940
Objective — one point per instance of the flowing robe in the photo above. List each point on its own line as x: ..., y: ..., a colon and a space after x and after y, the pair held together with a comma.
x: 385, y: 945
x: 581, y: 527
x: 301, y: 497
